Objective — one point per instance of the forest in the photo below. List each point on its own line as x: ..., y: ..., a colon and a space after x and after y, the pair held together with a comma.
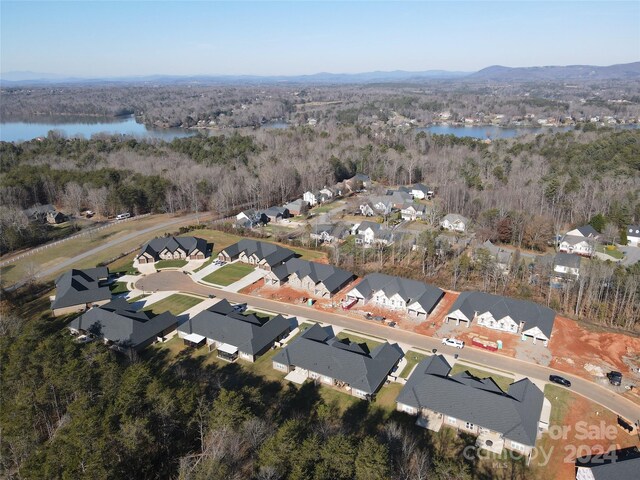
x: 81, y: 411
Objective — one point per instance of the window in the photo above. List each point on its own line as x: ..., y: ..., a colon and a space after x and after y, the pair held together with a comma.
x: 451, y: 421
x: 518, y: 446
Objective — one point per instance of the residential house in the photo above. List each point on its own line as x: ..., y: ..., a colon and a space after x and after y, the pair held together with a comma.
x: 310, y: 198
x: 319, y: 279
x: 528, y: 319
x: 413, y: 211
x: 358, y: 181
x: 248, y: 218
x: 262, y: 254
x: 118, y: 323
x: 633, y: 235
x: 367, y: 209
x: 567, y: 265
x: 455, y: 223
x: 77, y: 290
x: 347, y: 366
x: 44, y: 214
x: 395, y: 293
x: 234, y: 334
x: 398, y: 198
x: 370, y: 233
x: 297, y: 207
x: 586, y: 231
x: 622, y: 464
x: 421, y: 191
x: 326, y: 193
x: 585, y: 246
x: 511, y: 420
x: 274, y: 214
x: 173, y: 248
x: 329, y: 233
x: 501, y: 256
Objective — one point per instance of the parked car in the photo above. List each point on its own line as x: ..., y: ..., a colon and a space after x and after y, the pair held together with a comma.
x: 615, y: 378
x: 392, y: 324
x: 122, y: 216
x: 559, y: 380
x: 453, y: 342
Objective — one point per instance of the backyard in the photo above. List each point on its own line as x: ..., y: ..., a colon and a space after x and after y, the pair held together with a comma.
x: 229, y: 274
x: 176, y: 304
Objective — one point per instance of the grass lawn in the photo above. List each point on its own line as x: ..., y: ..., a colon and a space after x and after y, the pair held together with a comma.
x: 413, y: 358
x: 386, y: 397
x: 323, y: 208
x: 342, y: 400
x: 354, y: 338
x: 610, y: 250
x: 175, y: 263
x: 176, y: 304
x: 138, y: 298
x: 503, y: 382
x: 118, y: 287
x: 229, y: 274
x: 124, y: 265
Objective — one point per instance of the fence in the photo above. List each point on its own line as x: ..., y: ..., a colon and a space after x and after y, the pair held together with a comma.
x: 90, y: 231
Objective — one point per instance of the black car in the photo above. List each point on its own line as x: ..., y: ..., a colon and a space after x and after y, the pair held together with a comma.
x: 559, y: 380
x: 615, y: 378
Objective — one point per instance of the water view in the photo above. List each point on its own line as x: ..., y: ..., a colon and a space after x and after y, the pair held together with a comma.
x: 85, y: 127
x: 493, y: 132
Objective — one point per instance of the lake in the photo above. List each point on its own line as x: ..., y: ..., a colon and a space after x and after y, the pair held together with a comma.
x: 85, y: 127
x: 493, y: 132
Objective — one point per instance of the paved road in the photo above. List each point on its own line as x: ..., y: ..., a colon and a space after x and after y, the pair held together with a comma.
x: 592, y: 391
x: 112, y: 243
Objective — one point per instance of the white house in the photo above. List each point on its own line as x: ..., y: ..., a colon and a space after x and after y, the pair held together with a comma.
x: 586, y: 231
x: 367, y: 210
x: 580, y: 245
x: 327, y: 192
x: 310, y: 198
x: 413, y: 212
x: 383, y: 206
x: 567, y: 265
x: 421, y: 191
x: 633, y: 235
x: 455, y: 223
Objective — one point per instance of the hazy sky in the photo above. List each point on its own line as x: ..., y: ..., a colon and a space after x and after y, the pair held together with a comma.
x: 92, y: 38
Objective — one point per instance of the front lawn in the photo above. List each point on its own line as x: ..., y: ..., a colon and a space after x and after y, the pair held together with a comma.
x: 503, y: 382
x: 176, y: 304
x: 354, y: 338
x: 176, y: 263
x: 229, y: 274
x: 413, y: 358
x: 118, y: 287
x: 610, y: 250
x: 205, y: 264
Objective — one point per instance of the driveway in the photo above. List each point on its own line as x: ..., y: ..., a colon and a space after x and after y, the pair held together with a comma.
x: 586, y: 388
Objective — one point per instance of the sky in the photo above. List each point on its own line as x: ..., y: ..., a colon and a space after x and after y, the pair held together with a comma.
x: 126, y: 38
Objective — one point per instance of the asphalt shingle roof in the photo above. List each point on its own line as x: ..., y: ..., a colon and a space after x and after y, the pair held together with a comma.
x: 271, y: 253
x: 249, y: 333
x: 79, y: 287
x: 570, y: 260
x: 120, y: 323
x: 188, y: 244
x: 333, y: 278
x: 514, y: 413
x: 532, y: 314
x: 427, y: 296
x: 320, y: 351
x: 618, y: 465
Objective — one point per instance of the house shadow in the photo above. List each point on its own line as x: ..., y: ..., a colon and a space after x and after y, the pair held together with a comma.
x: 363, y: 417
x: 295, y: 401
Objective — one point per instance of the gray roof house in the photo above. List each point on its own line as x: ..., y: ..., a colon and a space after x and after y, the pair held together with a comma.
x: 327, y: 232
x: 318, y: 355
x: 296, y: 207
x: 623, y: 464
x: 504, y: 314
x: 234, y: 334
x: 455, y: 222
x: 319, y: 279
x: 118, y: 323
x: 633, y: 235
x: 416, y: 298
x: 501, y: 256
x: 274, y: 214
x: 76, y: 290
x: 421, y: 191
x: 567, y: 265
x: 584, y: 231
x: 40, y: 213
x: 168, y: 248
x: 263, y: 254
x: 513, y: 419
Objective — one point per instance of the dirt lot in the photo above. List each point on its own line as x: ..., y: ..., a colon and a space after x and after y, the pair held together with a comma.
x: 578, y: 427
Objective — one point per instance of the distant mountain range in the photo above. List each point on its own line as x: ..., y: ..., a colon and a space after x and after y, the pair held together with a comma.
x: 497, y: 73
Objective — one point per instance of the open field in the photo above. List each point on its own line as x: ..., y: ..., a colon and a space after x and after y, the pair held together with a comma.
x: 51, y: 257
x: 229, y: 273
x: 176, y: 304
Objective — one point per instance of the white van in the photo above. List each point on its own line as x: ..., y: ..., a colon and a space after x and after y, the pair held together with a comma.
x: 122, y: 216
